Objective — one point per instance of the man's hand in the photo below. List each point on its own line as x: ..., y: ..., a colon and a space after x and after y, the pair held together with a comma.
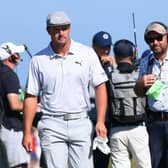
x: 148, y: 80
x: 145, y: 82
x: 27, y: 142
x: 101, y: 130
x: 105, y: 59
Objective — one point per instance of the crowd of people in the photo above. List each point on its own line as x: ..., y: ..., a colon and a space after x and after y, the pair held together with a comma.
x: 95, y: 109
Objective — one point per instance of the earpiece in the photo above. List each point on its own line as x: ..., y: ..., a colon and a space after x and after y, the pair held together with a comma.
x: 134, y: 48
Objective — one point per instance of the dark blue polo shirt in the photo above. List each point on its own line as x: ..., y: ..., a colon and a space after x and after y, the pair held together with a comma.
x: 10, y: 84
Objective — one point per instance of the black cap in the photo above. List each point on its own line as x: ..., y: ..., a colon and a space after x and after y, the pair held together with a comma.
x: 123, y: 48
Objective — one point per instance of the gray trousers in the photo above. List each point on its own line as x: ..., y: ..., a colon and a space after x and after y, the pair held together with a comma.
x: 66, y: 142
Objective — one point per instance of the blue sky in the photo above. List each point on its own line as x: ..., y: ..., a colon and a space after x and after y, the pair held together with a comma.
x: 23, y: 22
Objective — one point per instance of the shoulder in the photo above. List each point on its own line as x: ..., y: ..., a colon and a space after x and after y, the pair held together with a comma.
x: 118, y: 76
x: 146, y: 56
x: 7, y: 73
x: 144, y: 61
x: 4, y: 68
x: 45, y: 53
x: 79, y: 47
x: 10, y: 82
x: 83, y: 51
x: 42, y: 56
x: 146, y: 53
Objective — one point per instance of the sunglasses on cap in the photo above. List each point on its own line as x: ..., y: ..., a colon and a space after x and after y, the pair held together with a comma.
x: 7, y: 49
x: 152, y: 39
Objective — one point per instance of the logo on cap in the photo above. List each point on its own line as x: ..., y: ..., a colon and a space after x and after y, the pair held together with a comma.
x: 105, y: 36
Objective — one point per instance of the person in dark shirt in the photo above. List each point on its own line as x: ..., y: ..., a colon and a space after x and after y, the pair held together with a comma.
x: 11, y: 127
x: 101, y: 43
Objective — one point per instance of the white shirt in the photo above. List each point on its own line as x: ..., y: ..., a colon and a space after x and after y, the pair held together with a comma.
x: 63, y: 81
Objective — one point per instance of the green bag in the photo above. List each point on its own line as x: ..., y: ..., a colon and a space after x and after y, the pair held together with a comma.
x: 155, y: 90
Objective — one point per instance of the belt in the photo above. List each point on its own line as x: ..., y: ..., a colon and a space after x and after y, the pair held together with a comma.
x: 141, y: 123
x: 69, y: 116
x: 157, y: 116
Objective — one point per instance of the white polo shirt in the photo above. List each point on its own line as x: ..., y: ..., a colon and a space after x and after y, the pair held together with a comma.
x: 63, y: 81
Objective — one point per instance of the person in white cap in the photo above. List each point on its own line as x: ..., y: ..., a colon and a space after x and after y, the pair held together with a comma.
x: 61, y: 73
x: 153, y: 82
x: 11, y: 130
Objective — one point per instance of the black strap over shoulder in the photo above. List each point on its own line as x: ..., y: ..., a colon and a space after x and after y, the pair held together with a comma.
x: 150, y: 66
x: 149, y: 71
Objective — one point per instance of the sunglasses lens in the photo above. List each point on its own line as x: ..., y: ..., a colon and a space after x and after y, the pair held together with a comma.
x: 152, y: 39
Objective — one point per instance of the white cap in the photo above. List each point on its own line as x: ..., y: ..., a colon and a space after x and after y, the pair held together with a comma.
x: 7, y: 49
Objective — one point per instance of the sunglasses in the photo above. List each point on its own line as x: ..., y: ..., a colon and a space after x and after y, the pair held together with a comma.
x: 152, y: 39
x: 7, y: 49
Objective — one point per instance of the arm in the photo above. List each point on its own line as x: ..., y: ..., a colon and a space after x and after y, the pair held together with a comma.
x: 101, y: 105
x: 30, y: 107
x: 143, y: 83
x: 15, y: 102
x: 11, y: 87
